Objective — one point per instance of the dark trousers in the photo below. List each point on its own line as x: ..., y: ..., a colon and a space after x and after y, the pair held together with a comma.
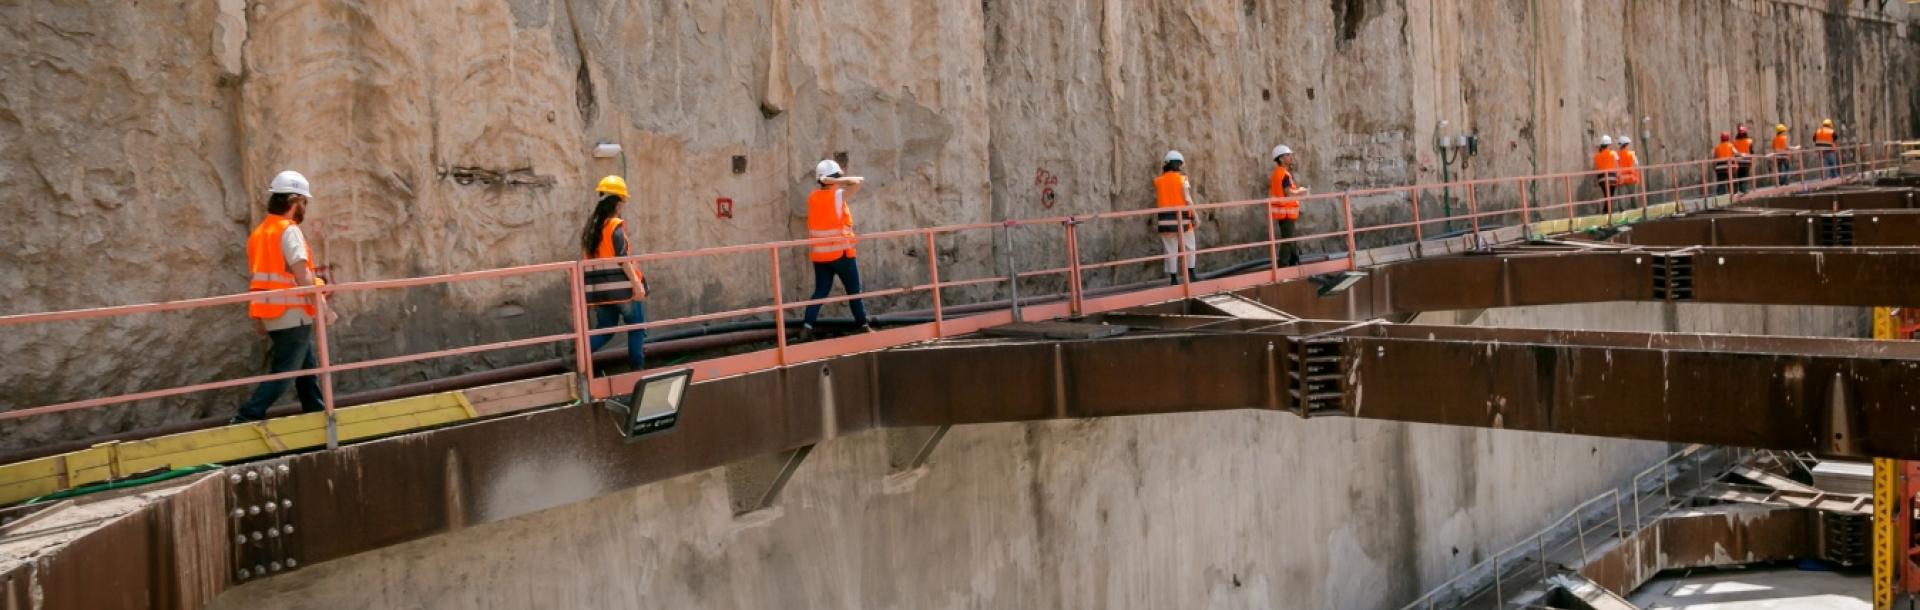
x: 1742, y: 174
x: 1782, y: 171
x: 1832, y: 160
x: 1289, y: 251
x: 610, y: 315
x: 1723, y: 177
x: 1607, y: 188
x: 290, y: 350
x: 849, y: 273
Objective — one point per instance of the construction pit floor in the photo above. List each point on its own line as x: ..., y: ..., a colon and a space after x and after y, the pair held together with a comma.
x: 1763, y: 588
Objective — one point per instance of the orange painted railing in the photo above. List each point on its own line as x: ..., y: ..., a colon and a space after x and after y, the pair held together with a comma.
x: 1674, y: 179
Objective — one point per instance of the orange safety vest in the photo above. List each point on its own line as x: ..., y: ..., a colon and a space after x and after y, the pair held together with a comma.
x: 827, y: 216
x: 1743, y: 146
x: 1723, y: 150
x: 1780, y: 143
x: 1823, y: 137
x: 1284, y: 209
x: 1628, y: 175
x: 269, y: 270
x: 609, y: 284
x: 1606, y: 161
x: 1170, y: 191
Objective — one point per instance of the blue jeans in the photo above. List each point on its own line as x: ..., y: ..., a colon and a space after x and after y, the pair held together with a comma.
x: 290, y: 350
x: 610, y: 315
x: 849, y: 274
x: 1832, y: 160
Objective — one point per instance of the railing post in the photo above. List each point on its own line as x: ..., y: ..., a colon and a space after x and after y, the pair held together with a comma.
x: 582, y: 343
x: 933, y: 279
x: 1076, y: 298
x: 1346, y: 210
x: 1580, y: 525
x: 1013, y: 270
x: 1419, y: 234
x: 780, y: 311
x: 1473, y: 213
x: 1273, y: 247
x: 1619, y: 516
x: 1567, y: 182
x: 324, y: 358
x: 1526, y: 212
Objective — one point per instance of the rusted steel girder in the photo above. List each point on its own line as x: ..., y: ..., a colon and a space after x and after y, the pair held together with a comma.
x: 1775, y: 276
x: 1825, y: 229
x: 1839, y: 200
x: 1839, y: 397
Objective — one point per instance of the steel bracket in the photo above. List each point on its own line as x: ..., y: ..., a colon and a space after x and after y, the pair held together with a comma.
x: 754, y: 484
x: 909, y: 448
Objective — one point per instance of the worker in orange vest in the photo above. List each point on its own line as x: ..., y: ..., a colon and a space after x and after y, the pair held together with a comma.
x: 1172, y: 190
x: 1629, y: 163
x: 828, y: 218
x: 1829, y: 150
x: 1284, y: 211
x: 1782, y: 155
x: 1743, y: 160
x: 613, y: 292
x: 1723, y: 164
x: 277, y: 259
x: 1607, y: 165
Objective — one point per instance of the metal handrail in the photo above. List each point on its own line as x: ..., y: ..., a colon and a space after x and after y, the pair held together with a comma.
x: 1538, y: 539
x: 1077, y: 303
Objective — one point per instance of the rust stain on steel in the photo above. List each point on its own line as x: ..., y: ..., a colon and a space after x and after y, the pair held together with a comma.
x: 169, y: 554
x: 1718, y: 536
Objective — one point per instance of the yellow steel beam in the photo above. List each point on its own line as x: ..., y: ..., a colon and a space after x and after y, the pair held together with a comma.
x: 108, y: 461
x: 1885, y: 501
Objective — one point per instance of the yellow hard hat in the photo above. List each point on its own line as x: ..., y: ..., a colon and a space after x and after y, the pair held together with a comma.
x: 1780, y: 128
x: 1826, y: 123
x: 613, y: 185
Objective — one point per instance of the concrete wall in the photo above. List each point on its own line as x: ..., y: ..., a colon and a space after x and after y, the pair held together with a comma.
x: 1229, y: 510
x: 444, y: 136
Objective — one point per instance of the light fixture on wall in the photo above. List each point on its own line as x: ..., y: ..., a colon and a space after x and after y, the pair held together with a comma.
x: 609, y: 150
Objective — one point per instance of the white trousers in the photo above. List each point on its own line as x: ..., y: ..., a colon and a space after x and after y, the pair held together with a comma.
x: 1171, y: 241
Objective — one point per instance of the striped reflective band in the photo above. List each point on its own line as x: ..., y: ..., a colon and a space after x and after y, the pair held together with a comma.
x: 268, y: 276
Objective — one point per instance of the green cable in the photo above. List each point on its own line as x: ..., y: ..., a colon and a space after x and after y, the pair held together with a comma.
x: 121, y: 483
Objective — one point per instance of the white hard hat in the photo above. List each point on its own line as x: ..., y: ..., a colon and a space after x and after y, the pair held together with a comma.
x: 1624, y: 140
x: 1606, y: 140
x: 1281, y: 151
x: 1174, y: 155
x: 826, y: 168
x: 290, y: 182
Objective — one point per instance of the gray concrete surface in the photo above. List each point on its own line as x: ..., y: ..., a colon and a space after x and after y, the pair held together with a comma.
x: 1230, y: 510
x: 1760, y: 589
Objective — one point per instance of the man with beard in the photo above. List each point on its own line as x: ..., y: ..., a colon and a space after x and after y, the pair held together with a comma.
x: 278, y: 259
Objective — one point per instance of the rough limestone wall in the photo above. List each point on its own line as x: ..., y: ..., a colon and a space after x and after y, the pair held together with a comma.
x: 1228, y: 510
x: 455, y: 136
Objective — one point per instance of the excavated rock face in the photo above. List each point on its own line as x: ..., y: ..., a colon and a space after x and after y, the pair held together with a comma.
x: 136, y: 141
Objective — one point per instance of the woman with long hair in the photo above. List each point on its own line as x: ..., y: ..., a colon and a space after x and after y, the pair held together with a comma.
x: 614, y: 291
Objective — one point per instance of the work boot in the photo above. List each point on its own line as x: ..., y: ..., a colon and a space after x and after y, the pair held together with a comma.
x: 867, y: 328
x: 806, y: 332
x: 1173, y: 279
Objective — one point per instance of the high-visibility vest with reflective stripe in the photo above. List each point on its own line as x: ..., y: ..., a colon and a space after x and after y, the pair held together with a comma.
x: 1284, y: 209
x: 1170, y: 191
x: 1823, y: 137
x: 1628, y: 175
x: 1780, y: 143
x: 268, y: 269
x: 609, y: 284
x: 1606, y: 161
x: 1743, y: 146
x: 1724, y: 152
x: 827, y: 216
